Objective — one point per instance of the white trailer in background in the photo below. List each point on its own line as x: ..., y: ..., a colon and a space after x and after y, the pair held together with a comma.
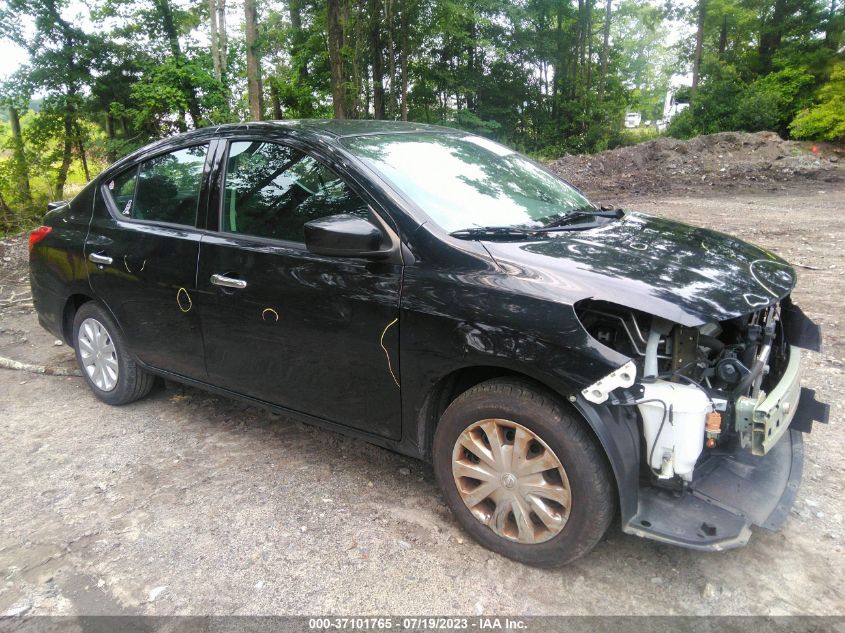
x: 672, y: 106
x: 632, y: 119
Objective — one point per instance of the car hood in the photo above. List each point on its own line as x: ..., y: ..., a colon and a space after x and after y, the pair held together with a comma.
x: 679, y: 272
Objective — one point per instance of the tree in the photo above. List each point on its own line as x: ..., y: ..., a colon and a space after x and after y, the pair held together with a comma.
x: 605, y: 50
x: 825, y: 119
x: 403, y: 56
x: 253, y: 62
x: 14, y: 96
x: 338, y: 74
x: 377, y: 57
x: 218, y: 36
x: 60, y: 57
x: 699, y: 43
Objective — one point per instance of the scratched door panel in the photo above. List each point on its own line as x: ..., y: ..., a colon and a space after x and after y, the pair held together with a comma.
x: 311, y: 333
x: 143, y: 232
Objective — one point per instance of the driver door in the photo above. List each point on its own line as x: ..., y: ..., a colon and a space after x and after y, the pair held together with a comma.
x: 315, y: 334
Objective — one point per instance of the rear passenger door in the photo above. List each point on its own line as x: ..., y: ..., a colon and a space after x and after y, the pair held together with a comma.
x: 142, y: 251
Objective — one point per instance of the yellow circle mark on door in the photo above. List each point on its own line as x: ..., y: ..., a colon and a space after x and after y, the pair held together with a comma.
x: 183, y: 299
x: 270, y: 315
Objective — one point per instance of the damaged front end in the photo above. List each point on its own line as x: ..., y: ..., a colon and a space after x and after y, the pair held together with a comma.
x: 720, y: 411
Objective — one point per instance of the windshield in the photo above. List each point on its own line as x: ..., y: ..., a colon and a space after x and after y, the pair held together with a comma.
x: 463, y: 181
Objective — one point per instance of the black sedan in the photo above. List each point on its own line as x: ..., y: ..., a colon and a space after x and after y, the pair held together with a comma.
x: 441, y: 295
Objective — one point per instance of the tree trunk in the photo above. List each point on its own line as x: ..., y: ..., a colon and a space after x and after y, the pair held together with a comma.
x: 377, y: 58
x: 5, y: 214
x: 557, y: 85
x: 581, y: 40
x: 219, y: 41
x: 404, y: 61
x: 214, y: 36
x: 699, y: 42
x: 111, y: 154
x: 391, y: 60
x: 82, y: 155
x: 275, y: 100
x: 253, y: 63
x: 295, y: 9
x: 169, y: 27
x: 771, y: 34
x: 61, y: 177
x: 589, y: 44
x: 605, y: 51
x: 832, y: 29
x: 222, y: 38
x: 723, y: 37
x: 336, y: 60
x: 19, y: 155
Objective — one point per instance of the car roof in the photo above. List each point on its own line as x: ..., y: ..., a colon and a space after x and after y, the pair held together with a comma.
x: 326, y: 130
x: 356, y: 127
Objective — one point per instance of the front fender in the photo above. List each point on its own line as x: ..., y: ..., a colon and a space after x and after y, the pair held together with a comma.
x: 617, y: 432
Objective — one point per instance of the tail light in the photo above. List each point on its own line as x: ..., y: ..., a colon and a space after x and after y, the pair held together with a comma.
x: 36, y: 235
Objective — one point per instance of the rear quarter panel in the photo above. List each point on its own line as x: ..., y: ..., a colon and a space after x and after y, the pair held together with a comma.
x: 57, y: 263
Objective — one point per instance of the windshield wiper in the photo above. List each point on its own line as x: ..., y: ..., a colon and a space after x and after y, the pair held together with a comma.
x: 493, y: 232
x: 565, y: 222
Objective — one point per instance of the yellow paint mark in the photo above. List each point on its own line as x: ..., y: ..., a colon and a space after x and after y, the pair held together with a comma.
x: 126, y: 265
x: 179, y: 300
x: 386, y: 353
x: 269, y: 311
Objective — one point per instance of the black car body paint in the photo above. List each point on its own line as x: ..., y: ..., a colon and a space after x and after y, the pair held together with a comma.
x: 374, y: 347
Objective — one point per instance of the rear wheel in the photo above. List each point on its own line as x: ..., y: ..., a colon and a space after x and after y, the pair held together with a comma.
x: 109, y: 370
x: 522, y: 473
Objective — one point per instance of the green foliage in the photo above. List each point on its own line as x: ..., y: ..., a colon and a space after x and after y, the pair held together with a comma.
x: 761, y: 63
x: 825, y: 120
x: 533, y: 74
x: 725, y: 102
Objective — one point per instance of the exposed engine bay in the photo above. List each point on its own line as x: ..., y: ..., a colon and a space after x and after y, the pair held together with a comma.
x: 717, y: 386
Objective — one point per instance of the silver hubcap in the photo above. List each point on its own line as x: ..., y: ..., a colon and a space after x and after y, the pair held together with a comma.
x: 511, y: 481
x: 99, y: 359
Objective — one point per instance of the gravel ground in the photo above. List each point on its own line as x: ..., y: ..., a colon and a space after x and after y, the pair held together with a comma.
x: 186, y: 503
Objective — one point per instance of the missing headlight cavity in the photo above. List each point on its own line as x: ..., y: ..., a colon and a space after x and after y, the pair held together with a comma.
x: 696, y: 386
x: 718, y: 356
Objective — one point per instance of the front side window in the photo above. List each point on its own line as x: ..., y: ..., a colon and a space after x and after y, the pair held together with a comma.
x: 464, y: 181
x: 167, y: 188
x: 272, y: 190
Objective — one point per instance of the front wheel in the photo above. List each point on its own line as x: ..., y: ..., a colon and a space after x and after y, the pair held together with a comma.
x: 109, y: 370
x: 522, y: 474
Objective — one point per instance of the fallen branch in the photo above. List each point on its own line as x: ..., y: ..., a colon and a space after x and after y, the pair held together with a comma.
x: 9, y: 302
x: 8, y: 363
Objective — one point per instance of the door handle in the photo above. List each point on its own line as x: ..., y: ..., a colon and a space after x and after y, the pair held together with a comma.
x: 99, y: 258
x: 228, y: 282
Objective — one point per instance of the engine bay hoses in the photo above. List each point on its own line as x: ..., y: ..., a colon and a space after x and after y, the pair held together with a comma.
x: 659, y: 327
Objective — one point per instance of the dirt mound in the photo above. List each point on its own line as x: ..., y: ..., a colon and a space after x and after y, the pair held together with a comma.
x: 735, y: 161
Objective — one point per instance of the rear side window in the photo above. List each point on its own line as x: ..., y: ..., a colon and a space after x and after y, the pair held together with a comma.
x: 122, y: 190
x: 273, y: 190
x: 163, y: 189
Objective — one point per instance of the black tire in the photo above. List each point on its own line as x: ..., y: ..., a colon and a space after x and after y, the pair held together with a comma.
x: 133, y: 383
x: 592, y: 491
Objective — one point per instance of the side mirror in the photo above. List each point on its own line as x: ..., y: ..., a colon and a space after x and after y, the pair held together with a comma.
x: 343, y: 235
